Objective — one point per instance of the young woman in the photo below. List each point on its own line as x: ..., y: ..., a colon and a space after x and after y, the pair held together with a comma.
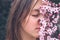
x: 23, y: 21
x: 33, y: 20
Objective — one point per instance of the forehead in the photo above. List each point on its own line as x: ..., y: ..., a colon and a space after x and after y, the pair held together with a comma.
x: 37, y: 4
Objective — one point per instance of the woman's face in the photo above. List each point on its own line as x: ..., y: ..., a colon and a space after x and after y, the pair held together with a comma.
x: 31, y: 25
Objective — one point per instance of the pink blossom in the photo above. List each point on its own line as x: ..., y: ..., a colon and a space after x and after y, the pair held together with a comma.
x: 49, y: 24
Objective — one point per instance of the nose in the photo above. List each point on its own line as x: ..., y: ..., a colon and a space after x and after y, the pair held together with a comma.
x: 40, y: 20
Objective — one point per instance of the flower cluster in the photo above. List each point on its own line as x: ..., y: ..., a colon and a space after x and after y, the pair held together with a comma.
x: 49, y: 23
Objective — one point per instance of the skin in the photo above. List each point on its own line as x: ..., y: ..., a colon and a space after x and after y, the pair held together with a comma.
x: 29, y: 29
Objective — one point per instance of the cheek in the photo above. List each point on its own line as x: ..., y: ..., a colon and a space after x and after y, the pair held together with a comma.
x: 31, y: 23
x: 30, y: 26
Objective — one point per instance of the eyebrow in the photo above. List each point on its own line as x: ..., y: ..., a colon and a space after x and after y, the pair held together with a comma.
x: 36, y: 10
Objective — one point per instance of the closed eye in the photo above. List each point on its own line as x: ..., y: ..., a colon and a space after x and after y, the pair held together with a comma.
x: 35, y: 15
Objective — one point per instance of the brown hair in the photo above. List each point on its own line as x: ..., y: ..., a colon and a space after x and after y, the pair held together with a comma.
x: 18, y: 12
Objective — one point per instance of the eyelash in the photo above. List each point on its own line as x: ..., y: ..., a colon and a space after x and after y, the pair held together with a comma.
x: 36, y: 15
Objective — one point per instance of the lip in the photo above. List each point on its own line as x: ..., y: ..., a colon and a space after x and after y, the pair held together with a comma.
x: 38, y: 29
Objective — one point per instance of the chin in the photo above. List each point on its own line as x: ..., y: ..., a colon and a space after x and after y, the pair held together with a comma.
x: 37, y: 36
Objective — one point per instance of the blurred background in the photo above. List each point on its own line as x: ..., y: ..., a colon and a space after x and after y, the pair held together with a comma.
x: 5, y: 5
x: 4, y: 11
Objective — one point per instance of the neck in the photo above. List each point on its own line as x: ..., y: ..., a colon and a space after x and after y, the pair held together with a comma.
x: 26, y: 36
